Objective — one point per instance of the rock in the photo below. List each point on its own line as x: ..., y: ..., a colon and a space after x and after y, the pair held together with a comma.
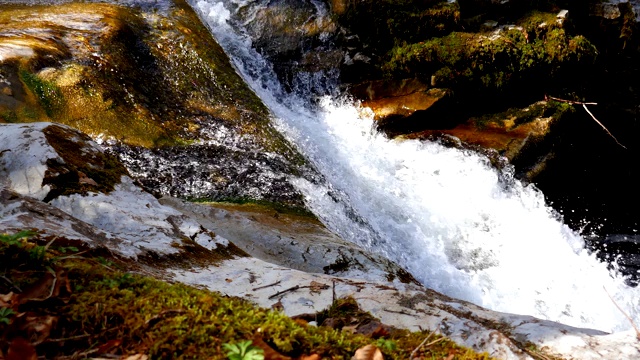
x: 294, y: 241
x: 152, y: 84
x: 35, y: 165
x: 394, y: 100
x: 410, y: 306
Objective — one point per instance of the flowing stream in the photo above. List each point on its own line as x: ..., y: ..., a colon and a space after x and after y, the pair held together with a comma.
x: 458, y: 225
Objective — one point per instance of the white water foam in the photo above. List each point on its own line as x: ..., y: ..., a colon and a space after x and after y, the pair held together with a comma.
x: 444, y: 214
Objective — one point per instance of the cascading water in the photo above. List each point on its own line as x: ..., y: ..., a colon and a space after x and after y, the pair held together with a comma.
x: 457, y: 224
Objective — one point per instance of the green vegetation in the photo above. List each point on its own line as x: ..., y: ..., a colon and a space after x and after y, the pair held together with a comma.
x: 243, y: 351
x: 83, y: 307
x: 514, y: 117
x: 492, y: 61
x: 48, y: 93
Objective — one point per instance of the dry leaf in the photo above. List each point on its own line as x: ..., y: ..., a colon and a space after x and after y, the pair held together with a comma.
x: 6, y: 300
x: 135, y: 357
x: 269, y: 352
x: 109, y: 345
x: 38, y: 328
x: 21, y: 349
x: 350, y: 328
x: 374, y: 329
x: 48, y: 286
x: 278, y: 306
x: 317, y: 287
x: 310, y: 357
x: 368, y: 352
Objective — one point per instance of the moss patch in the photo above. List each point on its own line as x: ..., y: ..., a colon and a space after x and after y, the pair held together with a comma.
x: 98, y: 308
x: 535, y: 51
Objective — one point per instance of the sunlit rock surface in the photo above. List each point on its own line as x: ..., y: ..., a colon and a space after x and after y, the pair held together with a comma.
x: 504, y: 336
x: 140, y: 78
x: 111, y: 206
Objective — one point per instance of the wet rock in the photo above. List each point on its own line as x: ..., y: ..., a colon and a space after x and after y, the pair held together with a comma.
x: 295, y: 241
x: 392, y: 101
x: 144, y: 78
x: 33, y: 164
x: 410, y: 306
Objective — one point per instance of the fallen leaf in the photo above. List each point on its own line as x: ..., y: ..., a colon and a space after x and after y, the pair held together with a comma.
x: 228, y: 280
x: 21, y: 349
x: 310, y: 357
x: 278, y: 306
x: 374, y: 329
x: 7, y: 300
x: 109, y: 345
x: 317, y: 287
x: 269, y: 352
x: 350, y: 328
x: 37, y: 328
x: 48, y: 286
x: 368, y: 352
x: 135, y: 357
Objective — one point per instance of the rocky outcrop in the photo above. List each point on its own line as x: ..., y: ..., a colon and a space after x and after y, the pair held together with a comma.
x: 152, y: 84
x: 194, y: 243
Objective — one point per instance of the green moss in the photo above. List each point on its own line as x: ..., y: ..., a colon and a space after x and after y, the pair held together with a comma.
x: 47, y: 93
x: 104, y: 310
x: 9, y: 116
x: 262, y: 205
x: 539, y: 51
x: 520, y: 116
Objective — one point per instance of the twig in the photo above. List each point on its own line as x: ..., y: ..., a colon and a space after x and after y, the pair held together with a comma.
x: 419, y: 346
x: 10, y: 283
x: 294, y: 288
x: 68, y: 338
x: 162, y: 314
x: 599, y: 123
x: 402, y: 312
x: 266, y: 286
x: 624, y: 313
x: 435, y: 341
x: 584, y: 105
x: 333, y: 295
x: 547, y: 97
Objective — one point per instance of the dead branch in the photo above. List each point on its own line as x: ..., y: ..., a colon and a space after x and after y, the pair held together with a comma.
x: 624, y: 313
x: 266, y: 286
x: 584, y: 105
x: 599, y: 123
x: 293, y: 288
x: 547, y: 97
x: 419, y: 346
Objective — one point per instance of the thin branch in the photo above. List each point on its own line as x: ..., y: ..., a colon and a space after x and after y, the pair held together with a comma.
x: 584, y: 105
x: 419, y: 346
x: 547, y: 97
x: 624, y: 313
x: 599, y: 123
x: 294, y: 288
x: 11, y: 284
x: 266, y: 286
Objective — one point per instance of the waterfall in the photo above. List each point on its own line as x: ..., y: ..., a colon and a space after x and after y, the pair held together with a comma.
x: 458, y: 225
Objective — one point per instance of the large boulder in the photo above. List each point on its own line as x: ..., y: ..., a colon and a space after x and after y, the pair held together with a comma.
x: 177, y: 242
x: 151, y: 83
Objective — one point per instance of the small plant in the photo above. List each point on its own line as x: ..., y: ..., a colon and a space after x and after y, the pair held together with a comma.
x: 15, y: 238
x: 386, y: 344
x: 5, y: 313
x: 243, y: 351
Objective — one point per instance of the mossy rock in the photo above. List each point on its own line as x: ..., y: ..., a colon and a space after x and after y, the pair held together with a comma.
x: 520, y: 57
x: 99, y: 306
x: 120, y: 73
